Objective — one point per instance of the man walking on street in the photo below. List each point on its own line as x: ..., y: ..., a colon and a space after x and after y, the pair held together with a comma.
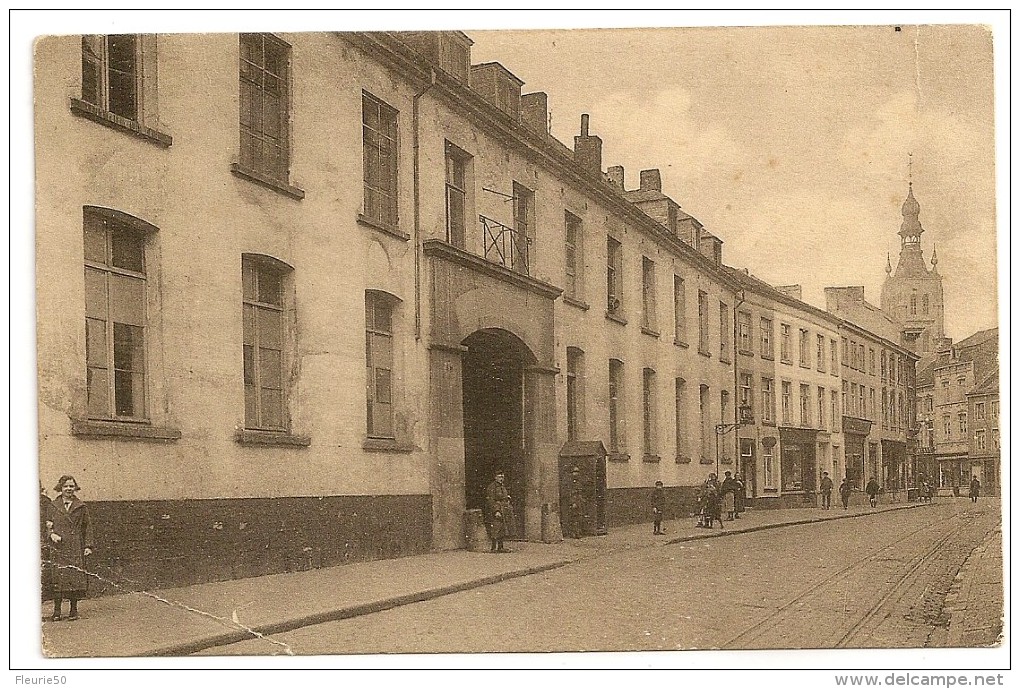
x: 872, y: 490
x: 844, y: 493
x: 975, y: 489
x: 826, y: 488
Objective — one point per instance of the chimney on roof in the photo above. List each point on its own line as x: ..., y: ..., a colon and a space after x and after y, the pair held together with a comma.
x: 651, y: 180
x: 588, y: 149
x: 535, y: 112
x: 615, y: 176
x: 791, y: 291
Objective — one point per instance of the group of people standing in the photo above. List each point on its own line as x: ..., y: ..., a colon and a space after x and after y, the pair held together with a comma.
x: 66, y: 541
x: 716, y: 499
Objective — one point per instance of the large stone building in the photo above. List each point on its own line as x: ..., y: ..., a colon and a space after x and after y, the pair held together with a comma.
x: 431, y: 288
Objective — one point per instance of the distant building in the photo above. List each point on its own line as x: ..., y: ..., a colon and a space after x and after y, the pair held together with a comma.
x: 912, y: 294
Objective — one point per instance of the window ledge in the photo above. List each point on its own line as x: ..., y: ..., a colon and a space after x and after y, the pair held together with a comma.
x: 773, y: 491
x: 680, y: 343
x: 651, y: 459
x: 649, y: 331
x: 706, y: 460
x: 726, y: 460
x: 724, y: 361
x: 745, y: 352
x: 266, y: 181
x: 683, y: 459
x: 768, y: 357
x: 788, y: 362
x: 577, y: 303
x: 618, y: 457
x: 615, y: 317
x: 270, y: 438
x: 386, y: 445
x: 391, y: 230
x: 121, y: 124
x: 803, y: 365
x: 703, y: 353
x: 119, y: 429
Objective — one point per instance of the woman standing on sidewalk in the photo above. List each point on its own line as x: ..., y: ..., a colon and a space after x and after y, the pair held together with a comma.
x: 498, y: 513
x: 70, y: 544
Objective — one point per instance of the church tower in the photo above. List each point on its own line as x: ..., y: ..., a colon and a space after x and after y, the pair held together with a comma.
x: 912, y: 293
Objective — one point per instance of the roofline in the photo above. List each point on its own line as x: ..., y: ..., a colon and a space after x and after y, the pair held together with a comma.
x: 394, y: 54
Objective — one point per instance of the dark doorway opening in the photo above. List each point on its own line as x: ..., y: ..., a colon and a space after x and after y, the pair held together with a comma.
x: 493, y: 384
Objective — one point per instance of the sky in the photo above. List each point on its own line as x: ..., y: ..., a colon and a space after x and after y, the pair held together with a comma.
x: 792, y: 143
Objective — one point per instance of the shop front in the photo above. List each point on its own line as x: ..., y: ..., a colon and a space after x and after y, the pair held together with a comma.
x: 894, y: 465
x: 856, y: 435
x: 799, y: 462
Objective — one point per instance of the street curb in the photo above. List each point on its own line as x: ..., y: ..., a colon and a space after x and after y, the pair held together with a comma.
x: 780, y: 525
x: 239, y: 635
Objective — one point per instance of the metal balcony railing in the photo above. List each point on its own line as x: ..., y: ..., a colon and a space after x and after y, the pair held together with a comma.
x: 504, y: 245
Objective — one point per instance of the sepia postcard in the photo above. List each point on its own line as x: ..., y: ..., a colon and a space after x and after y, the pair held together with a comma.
x: 421, y: 338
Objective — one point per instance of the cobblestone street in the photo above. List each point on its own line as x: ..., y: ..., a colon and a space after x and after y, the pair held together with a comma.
x: 878, y: 581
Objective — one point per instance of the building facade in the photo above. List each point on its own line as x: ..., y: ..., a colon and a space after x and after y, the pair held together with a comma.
x: 298, y: 314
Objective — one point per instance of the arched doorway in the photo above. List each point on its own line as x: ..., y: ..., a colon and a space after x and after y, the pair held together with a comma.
x: 495, y: 437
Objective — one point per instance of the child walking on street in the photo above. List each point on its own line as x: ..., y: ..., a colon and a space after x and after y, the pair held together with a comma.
x: 658, y: 507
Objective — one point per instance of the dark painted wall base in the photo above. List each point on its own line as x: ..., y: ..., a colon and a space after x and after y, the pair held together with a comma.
x: 634, y: 505
x: 159, y: 544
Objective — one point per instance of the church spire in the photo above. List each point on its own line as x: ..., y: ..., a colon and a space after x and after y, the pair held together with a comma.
x: 888, y: 263
x: 934, y: 258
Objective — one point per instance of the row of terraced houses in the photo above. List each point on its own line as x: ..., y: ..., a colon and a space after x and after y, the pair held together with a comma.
x: 431, y: 288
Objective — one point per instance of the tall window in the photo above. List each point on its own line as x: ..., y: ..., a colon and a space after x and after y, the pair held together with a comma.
x: 703, y: 393
x: 871, y: 403
x: 615, y: 389
x: 947, y: 426
x: 724, y: 331
x: 924, y: 305
x: 805, y: 351
x: 846, y: 401
x: 265, y: 62
x: 913, y: 303
x: 805, y: 405
x: 263, y: 338
x: 648, y: 410
x: 784, y: 343
x: 768, y: 401
x: 822, y: 403
x: 962, y: 416
x: 766, y: 338
x: 456, y: 195
x: 703, y: 322
x: 846, y: 351
x: 979, y: 410
x: 379, y: 137
x: 747, y: 394
x: 679, y: 309
x: 574, y: 256
x: 995, y: 409
x: 820, y: 353
x: 979, y: 439
x: 614, y: 276
x: 647, y: 293
x: 379, y: 360
x: 680, y: 410
x: 744, y: 331
x: 834, y: 398
x: 871, y: 361
x: 769, y: 465
x: 787, y: 392
x: 833, y: 358
x: 524, y: 216
x: 111, y: 74
x: 575, y: 392
x: 115, y: 295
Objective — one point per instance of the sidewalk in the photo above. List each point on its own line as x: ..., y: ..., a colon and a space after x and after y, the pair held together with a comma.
x: 976, y: 598
x: 185, y: 620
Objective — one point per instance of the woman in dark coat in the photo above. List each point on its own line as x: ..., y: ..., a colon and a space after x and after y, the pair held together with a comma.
x: 70, y: 544
x: 45, y: 528
x: 872, y: 489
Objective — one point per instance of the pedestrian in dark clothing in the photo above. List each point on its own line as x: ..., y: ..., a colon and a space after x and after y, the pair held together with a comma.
x: 70, y: 543
x: 658, y: 507
x: 713, y: 502
x: 45, y: 529
x: 498, y: 513
x: 975, y: 489
x: 844, y: 493
x: 872, y: 490
x: 826, y: 487
x: 739, y: 497
x: 728, y: 493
